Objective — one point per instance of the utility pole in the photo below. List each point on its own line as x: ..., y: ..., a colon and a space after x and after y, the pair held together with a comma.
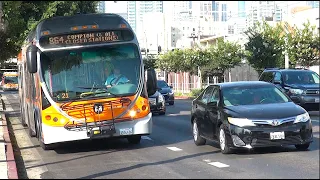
x: 286, y: 56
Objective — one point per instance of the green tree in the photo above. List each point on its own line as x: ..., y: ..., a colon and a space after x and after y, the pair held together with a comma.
x: 303, y: 45
x: 172, y: 61
x: 150, y: 62
x: 266, y: 46
x: 223, y: 56
x: 23, y: 16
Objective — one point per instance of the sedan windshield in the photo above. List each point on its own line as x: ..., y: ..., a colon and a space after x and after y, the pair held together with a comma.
x: 301, y: 77
x: 237, y: 96
x: 107, y: 71
x: 162, y: 84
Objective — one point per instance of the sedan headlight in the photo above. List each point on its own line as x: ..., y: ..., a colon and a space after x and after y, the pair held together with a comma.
x: 296, y: 91
x: 161, y: 98
x: 302, y: 118
x: 241, y: 122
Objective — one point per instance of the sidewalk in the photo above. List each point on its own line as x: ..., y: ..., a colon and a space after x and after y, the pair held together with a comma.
x: 8, y: 169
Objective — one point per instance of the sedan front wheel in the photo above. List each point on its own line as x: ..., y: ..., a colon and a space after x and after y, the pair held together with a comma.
x: 198, y: 140
x: 225, y: 149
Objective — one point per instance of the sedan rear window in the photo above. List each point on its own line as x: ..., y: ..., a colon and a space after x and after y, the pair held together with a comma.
x: 237, y: 96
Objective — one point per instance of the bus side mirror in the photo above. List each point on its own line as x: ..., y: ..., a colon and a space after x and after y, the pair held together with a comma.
x: 31, y: 55
x: 151, y: 82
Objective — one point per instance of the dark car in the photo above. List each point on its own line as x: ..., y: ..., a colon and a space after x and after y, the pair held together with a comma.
x: 302, y: 86
x: 249, y: 114
x: 166, y: 91
x: 157, y: 103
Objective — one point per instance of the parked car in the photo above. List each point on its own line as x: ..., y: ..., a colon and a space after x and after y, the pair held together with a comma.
x: 166, y: 91
x: 302, y: 86
x: 249, y: 114
x: 157, y: 103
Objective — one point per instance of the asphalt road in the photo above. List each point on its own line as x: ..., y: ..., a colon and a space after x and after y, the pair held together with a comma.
x: 169, y: 152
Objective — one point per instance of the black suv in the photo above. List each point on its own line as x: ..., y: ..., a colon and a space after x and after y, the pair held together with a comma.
x: 301, y: 85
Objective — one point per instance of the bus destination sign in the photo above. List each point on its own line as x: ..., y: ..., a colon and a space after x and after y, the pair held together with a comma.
x: 84, y: 39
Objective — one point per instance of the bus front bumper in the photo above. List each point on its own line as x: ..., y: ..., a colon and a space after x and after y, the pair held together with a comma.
x: 142, y: 126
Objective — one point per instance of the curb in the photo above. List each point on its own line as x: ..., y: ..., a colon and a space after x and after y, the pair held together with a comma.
x: 11, y: 162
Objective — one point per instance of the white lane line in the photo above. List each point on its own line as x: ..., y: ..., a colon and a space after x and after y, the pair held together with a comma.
x: 146, y: 138
x: 207, y: 160
x: 174, y: 149
x: 218, y: 164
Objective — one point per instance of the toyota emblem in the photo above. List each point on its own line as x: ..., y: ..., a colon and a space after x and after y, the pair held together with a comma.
x: 275, y: 122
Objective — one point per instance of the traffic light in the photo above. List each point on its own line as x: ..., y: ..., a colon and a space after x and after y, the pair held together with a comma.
x: 159, y: 49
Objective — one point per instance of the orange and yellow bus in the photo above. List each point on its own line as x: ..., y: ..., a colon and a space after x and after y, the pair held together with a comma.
x: 9, y: 81
x: 82, y: 77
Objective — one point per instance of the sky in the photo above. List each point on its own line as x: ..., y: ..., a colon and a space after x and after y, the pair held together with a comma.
x: 118, y: 7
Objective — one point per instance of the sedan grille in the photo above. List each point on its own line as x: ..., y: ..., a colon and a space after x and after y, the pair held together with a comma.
x: 312, y: 91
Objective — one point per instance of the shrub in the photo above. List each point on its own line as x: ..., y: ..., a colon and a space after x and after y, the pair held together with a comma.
x: 196, y: 92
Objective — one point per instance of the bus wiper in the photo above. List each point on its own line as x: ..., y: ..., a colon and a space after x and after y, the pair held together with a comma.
x: 90, y: 94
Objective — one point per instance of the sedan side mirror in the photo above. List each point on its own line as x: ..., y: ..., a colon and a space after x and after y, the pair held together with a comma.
x: 171, y: 87
x: 213, y: 104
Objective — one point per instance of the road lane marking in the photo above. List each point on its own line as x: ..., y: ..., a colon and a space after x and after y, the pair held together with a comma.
x: 146, y: 138
x: 174, y: 149
x: 219, y: 164
x: 207, y: 160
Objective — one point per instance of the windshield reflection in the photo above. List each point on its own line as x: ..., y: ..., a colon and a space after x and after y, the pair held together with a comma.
x: 253, y: 96
x: 75, y: 74
x: 301, y: 77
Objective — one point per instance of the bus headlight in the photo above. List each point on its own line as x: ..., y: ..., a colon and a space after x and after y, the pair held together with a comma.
x: 133, y: 113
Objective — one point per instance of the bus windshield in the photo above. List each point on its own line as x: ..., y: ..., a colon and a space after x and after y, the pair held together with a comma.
x: 106, y: 71
x: 11, y: 79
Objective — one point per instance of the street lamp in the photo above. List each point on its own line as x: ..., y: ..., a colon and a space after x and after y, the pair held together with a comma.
x: 194, y: 36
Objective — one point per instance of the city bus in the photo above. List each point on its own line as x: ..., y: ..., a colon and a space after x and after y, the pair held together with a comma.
x: 82, y: 77
x: 9, y: 81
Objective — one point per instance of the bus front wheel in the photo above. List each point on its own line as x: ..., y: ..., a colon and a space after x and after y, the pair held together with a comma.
x: 134, y: 139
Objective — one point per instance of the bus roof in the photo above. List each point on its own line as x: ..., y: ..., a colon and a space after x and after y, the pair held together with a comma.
x: 65, y: 24
x: 10, y: 74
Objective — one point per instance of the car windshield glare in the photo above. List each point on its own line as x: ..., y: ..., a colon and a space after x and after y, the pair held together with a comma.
x: 237, y: 96
x: 301, y: 77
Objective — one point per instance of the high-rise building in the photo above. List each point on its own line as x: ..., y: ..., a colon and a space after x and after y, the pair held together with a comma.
x: 241, y: 9
x: 136, y: 10
x: 101, y: 7
x: 313, y: 4
x: 258, y: 11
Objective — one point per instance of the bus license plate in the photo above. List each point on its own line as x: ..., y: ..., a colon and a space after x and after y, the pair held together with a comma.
x: 126, y: 131
x: 276, y: 135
